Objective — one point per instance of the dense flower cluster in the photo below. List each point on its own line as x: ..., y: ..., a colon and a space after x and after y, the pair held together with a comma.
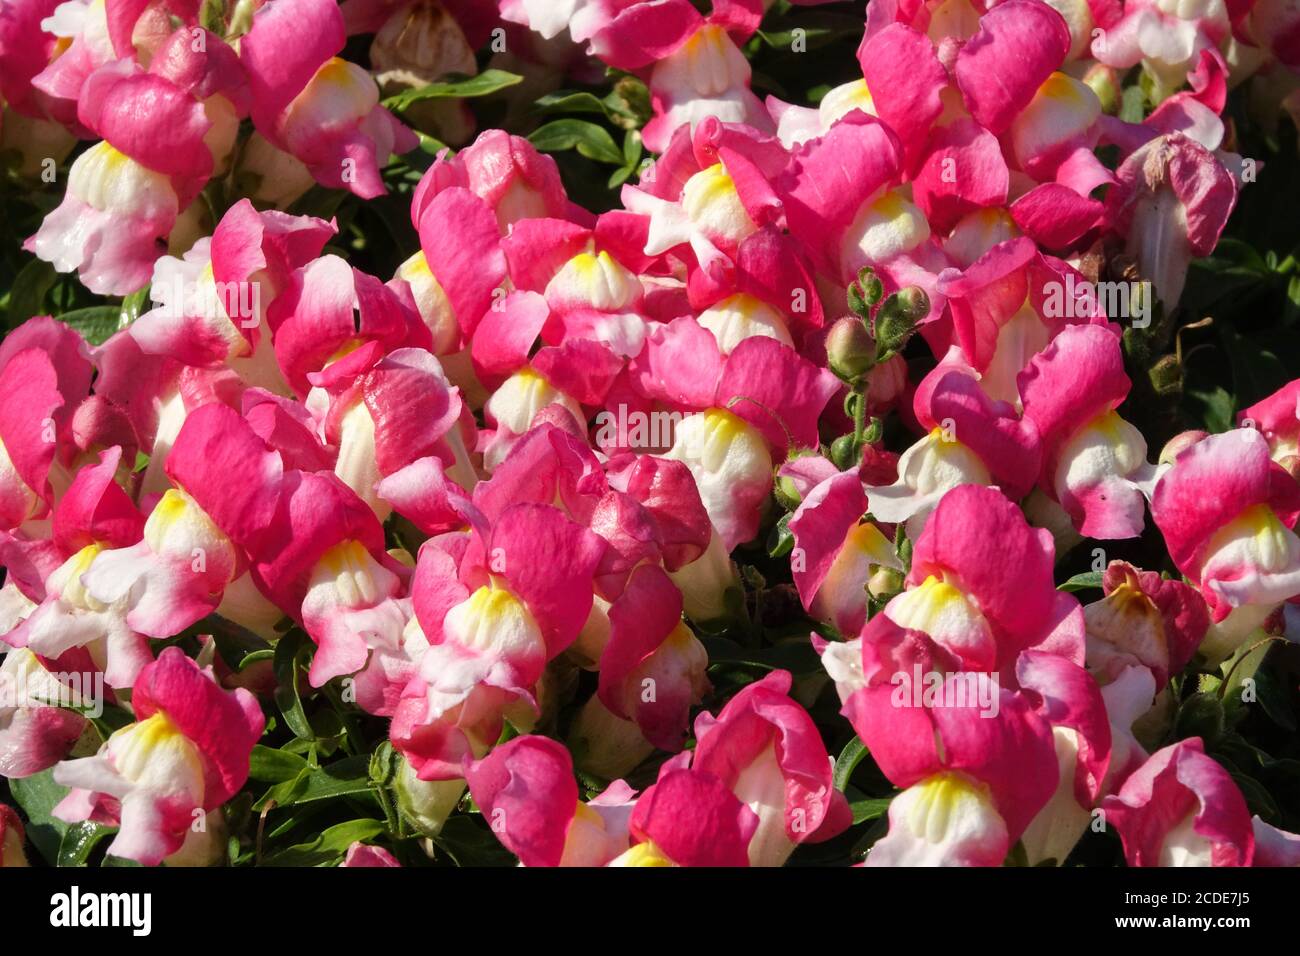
x: 498, y: 503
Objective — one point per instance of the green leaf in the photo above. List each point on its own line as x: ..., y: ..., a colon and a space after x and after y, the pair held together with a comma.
x: 1256, y: 371
x: 349, y: 777
x: 1216, y: 407
x: 27, y: 295
x: 329, y: 847
x: 38, y: 795
x: 1081, y: 582
x: 848, y: 761
x: 79, y: 841
x: 562, y: 102
x: 132, y: 306
x: 1258, y: 799
x: 1273, y: 698
x: 489, y: 81
x: 590, y: 140
x: 291, y: 654
x: 253, y: 657
x: 1201, y: 715
x: 95, y: 324
x: 631, y: 159
x: 798, y: 657
x: 780, y: 541
x: 871, y: 808
x: 469, y: 842
x: 274, y: 766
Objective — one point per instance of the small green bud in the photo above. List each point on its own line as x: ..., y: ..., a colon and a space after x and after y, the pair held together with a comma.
x: 850, y: 350
x: 844, y: 452
x: 898, y: 317
x: 1166, y: 375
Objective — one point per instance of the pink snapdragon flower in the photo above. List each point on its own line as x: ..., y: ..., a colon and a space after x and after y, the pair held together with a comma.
x: 1278, y: 419
x: 692, y: 63
x: 213, y: 302
x: 95, y: 517
x: 494, y: 609
x: 507, y: 172
x: 981, y: 594
x: 1226, y: 511
x: 751, y: 408
x: 837, y: 552
x: 765, y: 748
x: 45, y: 375
x: 198, y: 535
x: 323, y: 563
x: 712, y: 189
x: 1094, y: 462
x: 688, y: 817
x: 314, y: 105
x: 528, y: 795
x: 455, y: 276
x: 36, y: 730
x: 125, y: 193
x: 185, y: 755
x: 1144, y: 620
x: 971, y: 439
x: 1181, y: 808
x: 1068, y: 698
x: 973, y: 779
x: 652, y: 671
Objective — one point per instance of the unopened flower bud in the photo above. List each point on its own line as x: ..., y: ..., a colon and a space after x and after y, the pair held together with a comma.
x: 850, y: 351
x: 898, y: 317
x: 1166, y: 375
x: 864, y: 292
x: 784, y: 487
x: 885, y: 581
x: 844, y: 452
x: 1102, y: 80
x: 1179, y: 443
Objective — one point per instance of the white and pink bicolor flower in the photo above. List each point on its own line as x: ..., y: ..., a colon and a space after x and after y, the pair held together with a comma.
x: 315, y: 105
x: 1146, y: 620
x: 185, y: 755
x: 1094, y: 462
x: 652, y: 671
x: 212, y: 303
x: 838, y: 552
x: 1227, y: 511
x: 981, y: 586
x: 1181, y: 808
x: 765, y: 748
x: 95, y: 517
x: 323, y: 563
x: 528, y: 795
x: 198, y: 536
x: 970, y: 439
x: 973, y: 776
x: 125, y: 193
x: 494, y: 606
x: 693, y: 66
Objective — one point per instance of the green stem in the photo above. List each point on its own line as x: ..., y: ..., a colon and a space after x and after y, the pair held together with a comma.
x: 859, y: 415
